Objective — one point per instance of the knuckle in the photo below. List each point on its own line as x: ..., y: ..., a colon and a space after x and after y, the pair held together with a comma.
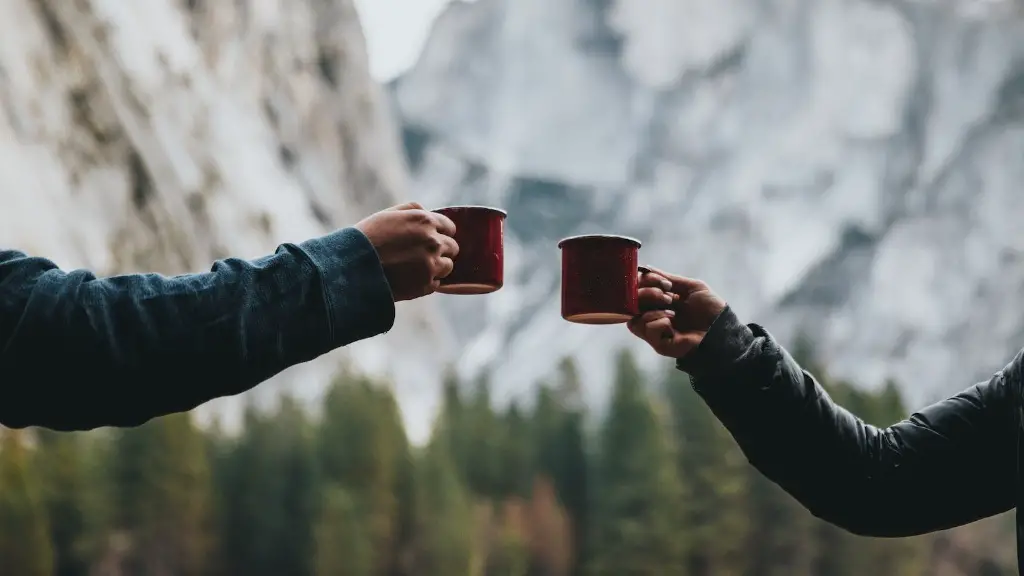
x: 419, y: 220
x: 419, y: 215
x: 420, y: 234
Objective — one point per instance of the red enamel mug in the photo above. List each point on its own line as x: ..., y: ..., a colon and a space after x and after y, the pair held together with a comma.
x: 480, y: 264
x: 599, y: 278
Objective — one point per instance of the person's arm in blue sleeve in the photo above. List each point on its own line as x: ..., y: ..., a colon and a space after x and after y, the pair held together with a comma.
x: 79, y: 352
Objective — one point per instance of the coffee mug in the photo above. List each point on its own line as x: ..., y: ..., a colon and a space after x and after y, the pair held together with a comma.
x: 599, y: 278
x: 480, y: 264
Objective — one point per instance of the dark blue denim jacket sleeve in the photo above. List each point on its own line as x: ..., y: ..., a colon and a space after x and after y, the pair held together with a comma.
x: 946, y: 465
x: 79, y: 352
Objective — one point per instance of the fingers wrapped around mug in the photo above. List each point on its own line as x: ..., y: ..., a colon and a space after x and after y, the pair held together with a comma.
x: 443, y: 267
x: 654, y: 291
x: 653, y: 325
x: 443, y: 223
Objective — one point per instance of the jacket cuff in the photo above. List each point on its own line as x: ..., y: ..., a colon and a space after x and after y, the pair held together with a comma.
x: 723, y: 345
x: 356, y: 291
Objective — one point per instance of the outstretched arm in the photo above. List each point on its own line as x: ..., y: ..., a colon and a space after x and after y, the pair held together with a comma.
x: 947, y: 465
x: 78, y: 352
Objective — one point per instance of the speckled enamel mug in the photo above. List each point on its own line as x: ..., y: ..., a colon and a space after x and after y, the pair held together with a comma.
x: 480, y: 264
x: 599, y: 278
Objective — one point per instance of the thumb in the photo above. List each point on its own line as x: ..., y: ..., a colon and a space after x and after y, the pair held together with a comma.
x: 406, y: 206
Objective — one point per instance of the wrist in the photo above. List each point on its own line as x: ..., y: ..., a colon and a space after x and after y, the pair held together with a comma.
x: 726, y: 340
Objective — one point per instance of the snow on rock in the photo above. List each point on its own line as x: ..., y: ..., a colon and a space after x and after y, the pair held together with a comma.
x: 850, y: 169
x: 161, y: 135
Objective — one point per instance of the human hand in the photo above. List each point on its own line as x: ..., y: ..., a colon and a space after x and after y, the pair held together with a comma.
x: 415, y: 247
x: 675, y: 312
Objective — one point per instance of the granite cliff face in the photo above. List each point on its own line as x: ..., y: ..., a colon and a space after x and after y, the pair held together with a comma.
x: 161, y: 135
x: 850, y: 169
x: 846, y: 168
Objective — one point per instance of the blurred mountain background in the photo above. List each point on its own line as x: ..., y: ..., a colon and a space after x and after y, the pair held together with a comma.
x: 846, y: 169
x: 845, y: 172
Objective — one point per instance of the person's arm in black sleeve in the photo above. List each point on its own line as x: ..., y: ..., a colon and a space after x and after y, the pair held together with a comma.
x: 947, y: 465
x: 79, y: 352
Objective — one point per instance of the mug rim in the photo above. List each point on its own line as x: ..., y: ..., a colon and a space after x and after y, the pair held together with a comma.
x: 629, y: 239
x: 472, y: 207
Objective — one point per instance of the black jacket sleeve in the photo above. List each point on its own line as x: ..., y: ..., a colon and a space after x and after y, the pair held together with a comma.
x: 947, y: 465
x: 79, y: 352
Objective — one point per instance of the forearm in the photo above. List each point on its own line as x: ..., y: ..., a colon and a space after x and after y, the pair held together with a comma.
x: 911, y: 478
x: 80, y: 352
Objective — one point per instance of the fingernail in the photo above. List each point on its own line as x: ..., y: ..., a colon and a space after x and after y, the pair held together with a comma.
x: 670, y: 313
x: 666, y: 285
x: 668, y: 298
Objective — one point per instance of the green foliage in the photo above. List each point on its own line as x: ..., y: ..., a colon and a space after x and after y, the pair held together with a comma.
x: 511, y: 557
x: 444, y: 514
x: 641, y: 500
x: 572, y: 471
x: 269, y: 481
x: 162, y: 480
x: 481, y: 466
x: 59, y: 461
x: 513, y: 490
x: 518, y: 453
x: 344, y: 545
x: 25, y: 546
x: 716, y: 472
x: 363, y: 449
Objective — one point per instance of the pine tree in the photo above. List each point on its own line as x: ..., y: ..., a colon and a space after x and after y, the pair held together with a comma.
x: 25, y: 547
x: 445, y: 543
x: 271, y: 491
x: 571, y: 474
x: 560, y: 450
x: 519, y: 462
x: 453, y: 423
x: 102, y: 542
x: 162, y: 478
x: 640, y: 505
x: 482, y: 465
x: 400, y: 478
x: 782, y: 538
x: 547, y: 424
x: 219, y: 447
x: 344, y: 545
x: 362, y: 446
x: 406, y: 513
x: 59, y: 461
x: 716, y: 472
